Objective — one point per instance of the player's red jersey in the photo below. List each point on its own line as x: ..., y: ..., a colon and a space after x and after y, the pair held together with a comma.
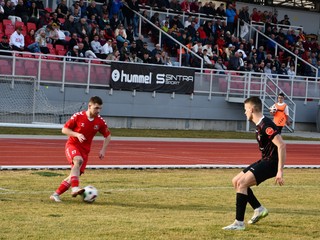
x: 80, y: 123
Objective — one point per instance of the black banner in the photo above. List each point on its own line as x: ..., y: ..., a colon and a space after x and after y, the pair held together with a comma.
x: 149, y: 78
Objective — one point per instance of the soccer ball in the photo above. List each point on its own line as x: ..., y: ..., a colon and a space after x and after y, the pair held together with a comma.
x: 273, y: 109
x: 90, y: 194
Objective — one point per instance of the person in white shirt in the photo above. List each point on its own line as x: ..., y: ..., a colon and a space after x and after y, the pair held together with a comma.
x: 208, y: 47
x: 95, y: 44
x: 207, y: 61
x: 196, y: 47
x: 188, y: 22
x: 107, y: 47
x: 17, y: 40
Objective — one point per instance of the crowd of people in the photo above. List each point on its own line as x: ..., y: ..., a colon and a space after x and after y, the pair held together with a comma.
x: 109, y: 30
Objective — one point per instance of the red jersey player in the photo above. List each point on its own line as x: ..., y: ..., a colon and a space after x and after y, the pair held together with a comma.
x: 81, y: 128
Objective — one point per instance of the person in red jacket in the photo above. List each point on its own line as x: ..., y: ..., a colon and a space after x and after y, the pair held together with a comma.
x: 81, y: 128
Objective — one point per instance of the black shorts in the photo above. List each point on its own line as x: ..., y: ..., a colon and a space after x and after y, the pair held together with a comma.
x: 263, y: 169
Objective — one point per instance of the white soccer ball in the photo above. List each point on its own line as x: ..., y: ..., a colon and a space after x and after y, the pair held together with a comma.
x: 90, y: 194
x: 273, y: 109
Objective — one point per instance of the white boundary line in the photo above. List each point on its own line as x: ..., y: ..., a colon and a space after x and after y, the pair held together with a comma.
x: 133, y: 167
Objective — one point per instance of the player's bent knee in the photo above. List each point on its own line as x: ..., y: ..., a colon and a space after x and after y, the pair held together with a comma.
x: 78, y: 161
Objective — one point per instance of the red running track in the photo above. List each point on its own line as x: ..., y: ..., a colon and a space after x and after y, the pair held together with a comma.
x: 48, y: 152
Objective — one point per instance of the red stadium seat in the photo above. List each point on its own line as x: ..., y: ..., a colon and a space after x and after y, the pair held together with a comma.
x: 59, y: 47
x: 62, y: 20
x: 9, y: 26
x: 7, y: 22
x: 49, y: 46
x: 20, y: 24
x: 31, y: 25
x: 61, y: 52
x: 8, y: 32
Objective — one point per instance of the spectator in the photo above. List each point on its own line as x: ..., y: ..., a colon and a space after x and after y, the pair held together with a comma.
x: 1, y: 13
x: 70, y: 25
x: 73, y: 55
x: 175, y: 6
x: 234, y: 62
x: 285, y: 20
x: 17, y: 40
x: 157, y: 59
x: 185, y: 6
x: 308, y: 70
x: 208, y: 63
x: 107, y: 48
x: 76, y: 14
x: 40, y: 44
x: 102, y: 37
x: 291, y: 72
x: 95, y: 45
x: 283, y: 70
x: 156, y: 50
x: 220, y: 10
x: 30, y: 38
x: 188, y: 21
x: 120, y: 34
x: 175, y: 21
x: 124, y: 49
x: 115, y: 8
x: 108, y: 32
x: 103, y: 21
x: 220, y: 67
x: 44, y: 20
x: 261, y: 54
x: 22, y: 11
x: 146, y: 58
x: 33, y: 13
x: 255, y: 16
x: 195, y: 61
x: 54, y: 18
x: 244, y: 18
x: 114, y: 57
x: 130, y: 33
x: 62, y: 9
x: 82, y: 28
x: 267, y: 69
x: 130, y: 17
x: 114, y: 21
x: 73, y: 41
x: 75, y: 11
x: 230, y: 14
x: 9, y: 13
x: 134, y: 58
x: 39, y: 4
x: 85, y: 53
x: 83, y: 8
x: 92, y: 11
x: 4, y: 45
x: 195, y: 6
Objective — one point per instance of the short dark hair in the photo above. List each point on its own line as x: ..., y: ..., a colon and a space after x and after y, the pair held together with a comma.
x: 256, y: 102
x: 281, y: 95
x: 96, y: 100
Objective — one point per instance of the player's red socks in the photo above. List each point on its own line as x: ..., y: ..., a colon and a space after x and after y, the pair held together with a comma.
x: 74, y: 181
x: 64, y: 186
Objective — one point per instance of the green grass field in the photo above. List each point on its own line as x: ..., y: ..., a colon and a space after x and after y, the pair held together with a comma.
x: 155, y: 204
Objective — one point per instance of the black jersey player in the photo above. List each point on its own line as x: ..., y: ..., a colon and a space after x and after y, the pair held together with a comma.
x: 270, y: 165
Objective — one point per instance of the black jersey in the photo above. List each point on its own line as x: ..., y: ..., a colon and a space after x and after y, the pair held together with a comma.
x: 266, y: 130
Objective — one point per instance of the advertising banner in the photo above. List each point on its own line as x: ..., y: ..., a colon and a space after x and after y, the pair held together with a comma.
x: 149, y: 78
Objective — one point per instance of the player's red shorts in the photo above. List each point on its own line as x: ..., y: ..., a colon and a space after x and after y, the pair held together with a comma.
x: 72, y: 151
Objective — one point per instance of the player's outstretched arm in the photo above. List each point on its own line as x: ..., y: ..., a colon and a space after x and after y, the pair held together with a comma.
x: 103, y: 150
x: 282, y: 152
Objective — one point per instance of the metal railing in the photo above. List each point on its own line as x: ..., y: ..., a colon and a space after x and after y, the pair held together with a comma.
x: 56, y: 70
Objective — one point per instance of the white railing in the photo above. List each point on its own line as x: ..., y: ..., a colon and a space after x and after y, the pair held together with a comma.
x: 53, y: 69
